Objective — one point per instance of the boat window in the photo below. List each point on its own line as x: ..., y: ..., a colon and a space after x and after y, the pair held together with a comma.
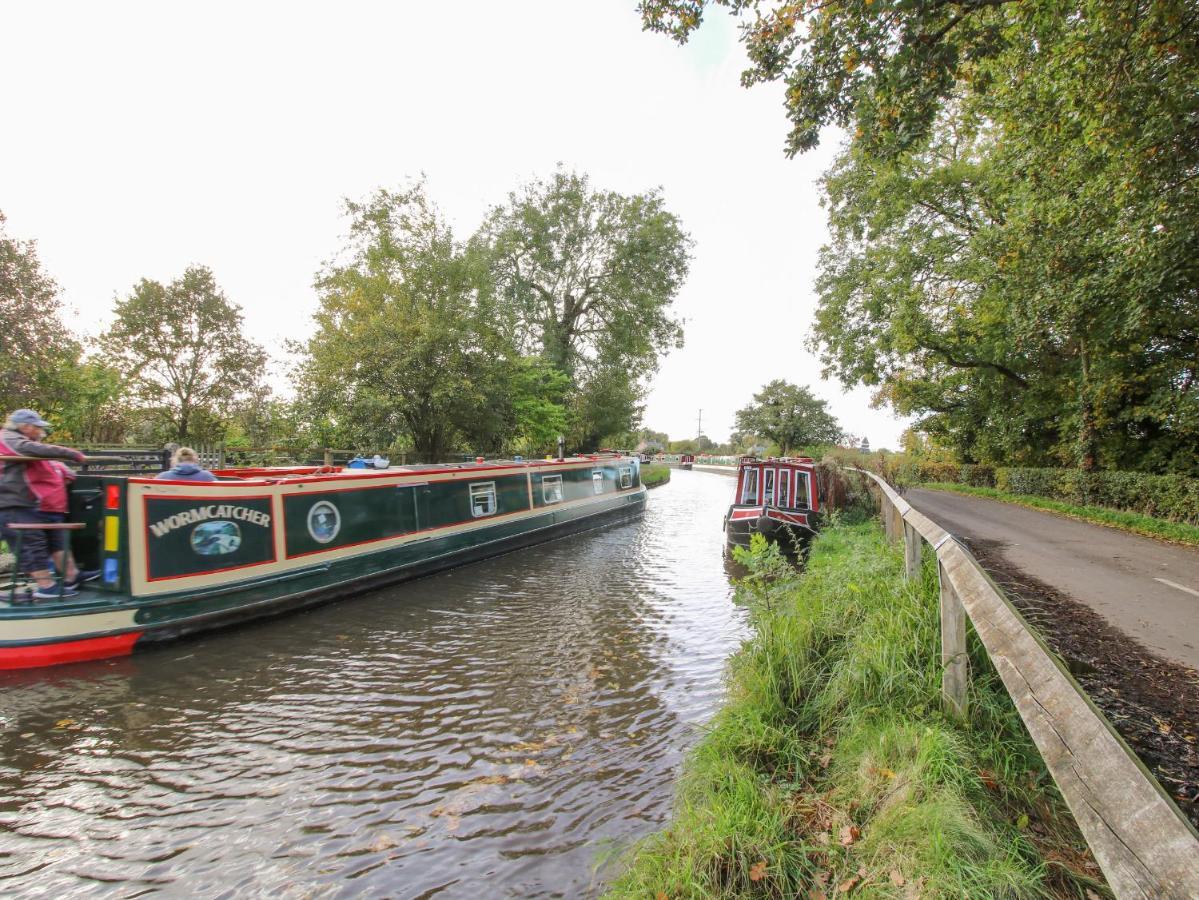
x: 803, y: 497
x: 784, y: 487
x: 482, y: 499
x: 749, y: 489
x: 626, y: 476
x: 551, y: 488
x: 768, y: 486
x: 597, y: 480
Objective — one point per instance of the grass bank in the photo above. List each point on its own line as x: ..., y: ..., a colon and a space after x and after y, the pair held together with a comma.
x: 654, y: 475
x: 831, y: 769
x: 1179, y: 532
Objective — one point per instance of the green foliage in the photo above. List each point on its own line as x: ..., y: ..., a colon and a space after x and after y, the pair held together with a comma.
x: 788, y: 415
x: 832, y: 761
x: 589, y: 274
x: 93, y: 407
x: 182, y: 354
x: 37, y: 353
x: 655, y: 475
x: 1024, y: 278
x: 1173, y: 498
x: 885, y: 66
x: 406, y: 343
x: 1138, y: 523
x: 586, y: 278
x: 1014, y: 244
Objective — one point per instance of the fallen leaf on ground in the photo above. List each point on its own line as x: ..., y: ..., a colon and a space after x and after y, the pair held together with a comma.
x: 662, y: 896
x: 824, y: 838
x: 850, y: 834
x: 848, y: 884
x: 817, y: 894
x: 825, y: 760
x: 758, y: 870
x: 897, y: 878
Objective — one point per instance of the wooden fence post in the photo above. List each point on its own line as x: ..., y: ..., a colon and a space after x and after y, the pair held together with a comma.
x: 911, y: 551
x: 954, y: 662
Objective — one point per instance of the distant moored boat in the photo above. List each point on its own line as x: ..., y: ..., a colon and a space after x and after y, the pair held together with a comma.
x: 777, y: 498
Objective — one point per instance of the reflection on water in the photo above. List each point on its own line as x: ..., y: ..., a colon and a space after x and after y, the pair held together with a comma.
x: 498, y: 730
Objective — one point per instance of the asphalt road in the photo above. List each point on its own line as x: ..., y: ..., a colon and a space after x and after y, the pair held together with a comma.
x: 1146, y: 588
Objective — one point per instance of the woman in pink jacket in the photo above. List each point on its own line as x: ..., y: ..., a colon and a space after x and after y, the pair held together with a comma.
x: 36, y: 493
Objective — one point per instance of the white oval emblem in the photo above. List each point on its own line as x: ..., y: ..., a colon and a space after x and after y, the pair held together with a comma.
x: 324, y: 521
x: 214, y: 538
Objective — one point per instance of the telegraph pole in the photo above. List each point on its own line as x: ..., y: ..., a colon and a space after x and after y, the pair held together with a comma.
x: 699, y: 425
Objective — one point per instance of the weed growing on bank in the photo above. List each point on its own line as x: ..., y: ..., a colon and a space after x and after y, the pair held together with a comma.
x: 831, y: 769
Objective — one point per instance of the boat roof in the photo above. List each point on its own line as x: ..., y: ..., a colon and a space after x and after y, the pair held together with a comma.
x: 310, y: 474
x: 777, y: 460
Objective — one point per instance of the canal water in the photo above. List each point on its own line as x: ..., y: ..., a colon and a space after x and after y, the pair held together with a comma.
x: 501, y: 730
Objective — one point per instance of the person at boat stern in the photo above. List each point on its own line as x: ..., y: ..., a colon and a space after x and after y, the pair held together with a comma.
x: 33, y: 493
x: 185, y: 466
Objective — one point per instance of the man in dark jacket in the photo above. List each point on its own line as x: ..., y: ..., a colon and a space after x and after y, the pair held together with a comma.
x: 35, y: 492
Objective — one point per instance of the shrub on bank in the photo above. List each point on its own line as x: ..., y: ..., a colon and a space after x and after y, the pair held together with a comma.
x: 653, y: 475
x: 832, y: 767
x: 1171, y: 497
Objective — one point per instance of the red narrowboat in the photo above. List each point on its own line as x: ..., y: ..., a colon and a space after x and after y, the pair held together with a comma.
x: 686, y: 461
x: 777, y: 498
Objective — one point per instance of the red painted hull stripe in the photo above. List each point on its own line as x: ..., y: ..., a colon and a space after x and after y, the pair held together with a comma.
x: 37, y: 655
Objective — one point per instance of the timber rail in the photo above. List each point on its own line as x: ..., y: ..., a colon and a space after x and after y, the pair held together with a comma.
x: 1145, y: 846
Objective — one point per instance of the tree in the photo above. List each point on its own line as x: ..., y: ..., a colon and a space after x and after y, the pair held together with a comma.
x: 181, y: 351
x: 586, y: 279
x: 589, y: 274
x: 885, y: 67
x: 409, y: 344
x: 37, y: 353
x: 789, y: 416
x: 1035, y: 298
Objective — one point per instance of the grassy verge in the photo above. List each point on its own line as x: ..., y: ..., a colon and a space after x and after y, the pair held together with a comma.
x: 1178, y: 532
x: 831, y: 769
x: 654, y: 475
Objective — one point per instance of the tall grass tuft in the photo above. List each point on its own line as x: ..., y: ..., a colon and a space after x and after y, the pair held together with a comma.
x: 832, y: 768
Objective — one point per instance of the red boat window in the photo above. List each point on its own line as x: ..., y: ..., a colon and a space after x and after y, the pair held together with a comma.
x: 749, y: 485
x: 803, y: 491
x: 784, y: 487
x: 768, y: 486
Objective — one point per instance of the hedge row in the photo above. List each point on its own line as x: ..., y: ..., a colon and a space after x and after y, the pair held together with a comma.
x: 1171, y: 497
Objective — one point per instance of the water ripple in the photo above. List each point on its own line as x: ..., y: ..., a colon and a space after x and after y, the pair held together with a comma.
x: 496, y: 730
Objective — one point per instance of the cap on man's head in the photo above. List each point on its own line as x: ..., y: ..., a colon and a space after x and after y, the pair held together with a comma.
x: 28, y: 417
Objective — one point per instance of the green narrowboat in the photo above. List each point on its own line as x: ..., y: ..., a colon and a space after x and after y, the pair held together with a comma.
x: 181, y: 557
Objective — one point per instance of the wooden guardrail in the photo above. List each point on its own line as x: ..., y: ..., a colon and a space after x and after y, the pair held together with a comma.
x: 1145, y: 846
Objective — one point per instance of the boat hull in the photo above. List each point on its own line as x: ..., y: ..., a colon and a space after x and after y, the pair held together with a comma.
x: 109, y: 627
x: 791, y: 530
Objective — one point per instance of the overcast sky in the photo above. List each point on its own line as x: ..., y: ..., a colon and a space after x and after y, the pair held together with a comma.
x: 140, y: 138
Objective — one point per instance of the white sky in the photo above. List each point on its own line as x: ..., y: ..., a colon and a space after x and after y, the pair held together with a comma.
x: 144, y: 137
